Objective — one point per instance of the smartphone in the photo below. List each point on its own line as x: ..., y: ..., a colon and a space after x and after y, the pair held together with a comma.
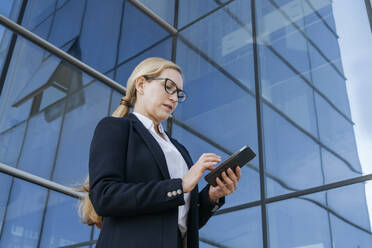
x: 239, y: 158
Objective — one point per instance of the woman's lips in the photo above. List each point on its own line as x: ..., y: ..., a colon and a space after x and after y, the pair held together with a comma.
x: 168, y: 107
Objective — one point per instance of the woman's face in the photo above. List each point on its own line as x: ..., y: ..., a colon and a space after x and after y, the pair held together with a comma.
x: 154, y: 101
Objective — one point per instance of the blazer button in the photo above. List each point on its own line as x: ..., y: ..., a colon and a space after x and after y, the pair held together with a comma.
x: 174, y: 193
x: 169, y: 194
x: 179, y: 191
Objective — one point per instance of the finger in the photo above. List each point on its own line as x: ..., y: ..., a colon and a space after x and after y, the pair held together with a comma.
x: 228, y: 181
x: 210, y: 155
x: 238, y: 172
x: 209, y: 165
x: 221, y: 184
x: 233, y: 177
x: 211, y: 159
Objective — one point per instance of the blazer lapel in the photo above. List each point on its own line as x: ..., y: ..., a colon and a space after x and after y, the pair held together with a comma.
x: 152, y: 144
x: 181, y: 150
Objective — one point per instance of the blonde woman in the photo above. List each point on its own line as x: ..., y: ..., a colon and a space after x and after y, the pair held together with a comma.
x: 143, y: 184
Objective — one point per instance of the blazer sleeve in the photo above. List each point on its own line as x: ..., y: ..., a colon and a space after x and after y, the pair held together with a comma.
x: 206, y: 207
x: 109, y: 194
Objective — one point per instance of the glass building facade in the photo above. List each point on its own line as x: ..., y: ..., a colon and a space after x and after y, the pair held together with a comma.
x: 263, y: 73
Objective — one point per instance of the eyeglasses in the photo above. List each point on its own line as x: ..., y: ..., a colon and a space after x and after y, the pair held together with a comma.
x: 171, y: 87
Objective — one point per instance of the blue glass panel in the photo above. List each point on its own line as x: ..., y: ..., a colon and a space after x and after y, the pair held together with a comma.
x: 229, y: 47
x: 350, y: 202
x: 101, y: 30
x: 40, y: 145
x: 10, y: 144
x: 337, y: 133
x: 10, y: 9
x: 290, y: 156
x: 329, y: 82
x: 297, y: 223
x: 136, y: 22
x: 335, y: 169
x: 236, y: 229
x: 37, y: 12
x: 23, y: 219
x: 77, y: 133
x: 163, y: 50
x: 280, y: 26
x: 190, y: 10
x: 287, y: 91
x: 322, y: 9
x: 248, y: 186
x: 5, y: 182
x: 163, y: 8
x: 325, y: 41
x: 62, y: 224
x: 67, y: 23
x: 333, y: 218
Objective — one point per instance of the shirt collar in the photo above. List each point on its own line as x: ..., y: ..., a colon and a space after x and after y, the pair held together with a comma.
x: 148, y: 123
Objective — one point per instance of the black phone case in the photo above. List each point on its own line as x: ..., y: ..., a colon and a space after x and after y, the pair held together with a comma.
x: 239, y: 158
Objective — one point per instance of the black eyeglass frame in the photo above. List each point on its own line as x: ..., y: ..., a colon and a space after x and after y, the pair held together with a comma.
x: 180, y: 99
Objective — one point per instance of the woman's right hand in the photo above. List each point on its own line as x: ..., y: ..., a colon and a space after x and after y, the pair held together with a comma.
x: 206, y: 161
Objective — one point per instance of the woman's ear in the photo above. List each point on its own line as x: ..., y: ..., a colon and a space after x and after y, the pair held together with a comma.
x: 140, y: 84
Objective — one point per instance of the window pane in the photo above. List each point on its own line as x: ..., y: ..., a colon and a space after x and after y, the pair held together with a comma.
x: 78, y: 128
x: 334, y: 218
x: 40, y: 145
x: 290, y: 156
x: 287, y: 91
x: 10, y: 144
x: 23, y: 218
x: 329, y: 82
x: 163, y: 50
x: 163, y: 8
x: 62, y: 224
x: 101, y: 30
x: 136, y: 22
x: 338, y: 134
x: 190, y: 10
x: 228, y: 49
x: 235, y: 229
x: 5, y: 182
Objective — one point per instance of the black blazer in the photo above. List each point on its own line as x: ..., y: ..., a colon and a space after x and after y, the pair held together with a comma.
x: 131, y: 189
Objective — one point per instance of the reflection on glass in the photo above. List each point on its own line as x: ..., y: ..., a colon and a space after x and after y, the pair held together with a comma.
x: 190, y: 10
x: 101, y: 30
x: 290, y: 156
x: 40, y: 145
x: 337, y: 133
x: 62, y: 224
x: 23, y: 219
x: 235, y: 229
x: 137, y: 22
x: 163, y: 50
x: 163, y: 8
x: 335, y: 218
x: 10, y: 144
x: 287, y: 91
x: 78, y: 128
x: 229, y: 49
x: 5, y: 182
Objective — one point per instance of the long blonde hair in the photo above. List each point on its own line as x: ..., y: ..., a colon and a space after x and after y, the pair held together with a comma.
x: 151, y: 67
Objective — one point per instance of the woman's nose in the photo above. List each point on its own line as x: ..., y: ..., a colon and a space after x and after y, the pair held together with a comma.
x: 174, y: 97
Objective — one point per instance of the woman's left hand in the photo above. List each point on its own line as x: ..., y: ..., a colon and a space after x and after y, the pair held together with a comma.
x: 227, y: 186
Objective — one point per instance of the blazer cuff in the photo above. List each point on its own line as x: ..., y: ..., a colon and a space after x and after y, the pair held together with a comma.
x: 211, y: 206
x: 175, y: 191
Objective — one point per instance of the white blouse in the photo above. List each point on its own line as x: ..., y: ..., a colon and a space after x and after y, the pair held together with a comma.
x: 177, y: 166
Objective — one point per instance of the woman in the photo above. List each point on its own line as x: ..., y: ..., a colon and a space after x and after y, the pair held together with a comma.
x: 143, y: 185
